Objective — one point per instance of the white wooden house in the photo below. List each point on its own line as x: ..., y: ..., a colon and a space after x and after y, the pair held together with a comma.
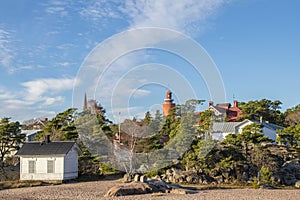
x: 49, y: 160
x: 221, y: 129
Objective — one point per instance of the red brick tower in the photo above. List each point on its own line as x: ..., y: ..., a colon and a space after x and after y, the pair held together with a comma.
x: 168, y: 104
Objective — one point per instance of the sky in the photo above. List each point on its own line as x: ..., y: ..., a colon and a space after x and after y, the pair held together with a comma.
x: 125, y: 54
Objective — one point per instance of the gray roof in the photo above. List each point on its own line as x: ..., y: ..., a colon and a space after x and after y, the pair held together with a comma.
x: 270, y: 126
x: 230, y: 127
x: 29, y: 132
x: 224, y: 127
x: 52, y: 148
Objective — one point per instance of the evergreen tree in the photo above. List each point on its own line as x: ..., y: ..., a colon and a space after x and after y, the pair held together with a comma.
x: 61, y: 127
x: 264, y: 109
x: 10, y: 138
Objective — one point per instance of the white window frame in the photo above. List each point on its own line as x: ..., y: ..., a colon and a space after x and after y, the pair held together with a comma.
x: 31, y: 166
x: 50, y: 169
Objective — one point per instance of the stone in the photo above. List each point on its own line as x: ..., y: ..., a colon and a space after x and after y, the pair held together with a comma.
x: 189, y: 179
x: 136, y: 178
x: 297, y: 184
x: 164, y: 177
x: 132, y: 188
x: 157, y: 177
x: 263, y: 186
x: 126, y: 178
x: 219, y: 179
x: 169, y: 172
x: 178, y: 191
x: 289, y: 179
x: 143, y: 179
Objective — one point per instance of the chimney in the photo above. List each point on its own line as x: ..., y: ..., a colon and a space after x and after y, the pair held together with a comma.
x: 261, y: 119
x: 235, y: 104
x: 47, y: 139
x: 211, y: 103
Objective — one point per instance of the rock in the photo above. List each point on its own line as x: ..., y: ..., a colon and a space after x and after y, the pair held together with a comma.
x: 143, y: 179
x: 129, y: 189
x: 182, y: 179
x: 157, y: 177
x: 136, y: 178
x: 289, y: 179
x: 263, y: 186
x: 127, y: 178
x: 178, y: 191
x: 297, y: 175
x: 226, y: 175
x: 189, y: 179
x: 219, y: 179
x: 297, y: 184
x: 170, y: 179
x: 245, y: 176
x: 291, y: 167
x: 169, y: 172
x: 164, y: 177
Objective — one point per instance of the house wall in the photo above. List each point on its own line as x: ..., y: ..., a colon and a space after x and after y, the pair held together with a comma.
x: 41, y: 168
x: 266, y: 131
x: 71, y: 164
x: 270, y: 133
x: 219, y: 136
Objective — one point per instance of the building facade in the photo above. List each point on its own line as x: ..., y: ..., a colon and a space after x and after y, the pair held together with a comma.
x: 168, y: 103
x: 49, y: 160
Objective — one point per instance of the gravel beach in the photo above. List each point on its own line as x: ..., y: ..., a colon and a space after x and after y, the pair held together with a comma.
x: 97, y: 189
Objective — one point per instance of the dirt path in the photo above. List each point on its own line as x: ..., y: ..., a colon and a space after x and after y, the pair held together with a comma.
x: 97, y: 189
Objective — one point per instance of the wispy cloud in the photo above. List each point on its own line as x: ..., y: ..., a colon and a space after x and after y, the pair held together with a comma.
x: 6, y: 50
x: 64, y: 64
x: 180, y: 15
x: 57, y: 8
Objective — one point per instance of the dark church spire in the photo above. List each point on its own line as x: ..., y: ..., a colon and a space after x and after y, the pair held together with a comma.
x: 85, y: 103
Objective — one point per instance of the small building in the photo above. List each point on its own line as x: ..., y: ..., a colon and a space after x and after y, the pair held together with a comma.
x: 221, y: 129
x: 49, y: 160
x: 225, y: 111
x: 30, y: 134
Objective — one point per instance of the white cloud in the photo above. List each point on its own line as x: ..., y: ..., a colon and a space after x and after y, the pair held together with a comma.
x: 64, y: 64
x: 6, y: 51
x: 51, y: 100
x: 5, y: 94
x: 35, y: 98
x: 180, y: 15
x: 57, y: 7
x: 39, y: 88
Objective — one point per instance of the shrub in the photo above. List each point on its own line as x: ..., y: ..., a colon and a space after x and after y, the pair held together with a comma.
x: 265, y: 175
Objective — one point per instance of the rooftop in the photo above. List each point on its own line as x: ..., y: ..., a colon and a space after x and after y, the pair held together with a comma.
x: 42, y: 148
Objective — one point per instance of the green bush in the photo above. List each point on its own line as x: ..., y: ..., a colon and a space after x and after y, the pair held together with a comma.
x: 105, y: 168
x: 255, y: 183
x: 265, y: 176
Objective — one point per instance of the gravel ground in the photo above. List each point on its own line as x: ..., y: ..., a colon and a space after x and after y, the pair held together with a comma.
x: 97, y: 189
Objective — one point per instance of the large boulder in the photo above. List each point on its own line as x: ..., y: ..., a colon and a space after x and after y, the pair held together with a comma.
x: 289, y: 171
x: 132, y: 188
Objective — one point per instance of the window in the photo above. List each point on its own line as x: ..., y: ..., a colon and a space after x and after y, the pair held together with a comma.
x: 31, y: 166
x: 50, y: 166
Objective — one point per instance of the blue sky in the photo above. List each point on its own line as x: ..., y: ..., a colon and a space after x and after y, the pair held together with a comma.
x: 44, y: 46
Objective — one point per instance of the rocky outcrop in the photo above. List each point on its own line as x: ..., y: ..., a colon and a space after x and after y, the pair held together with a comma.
x: 290, y: 172
x: 148, y: 186
x: 132, y: 188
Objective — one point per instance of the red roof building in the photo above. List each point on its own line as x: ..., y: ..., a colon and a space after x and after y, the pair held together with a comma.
x: 226, y: 111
